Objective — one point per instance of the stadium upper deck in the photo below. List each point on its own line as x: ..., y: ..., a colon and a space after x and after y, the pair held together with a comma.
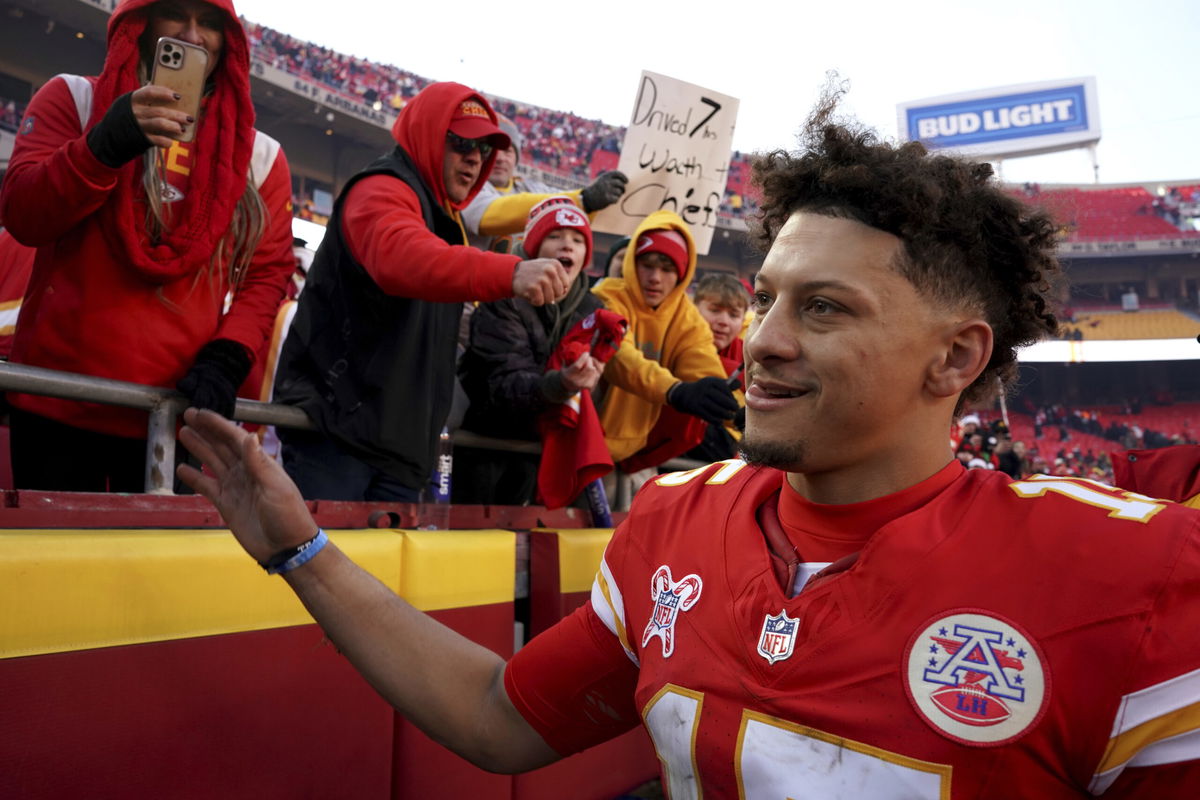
x: 333, y: 111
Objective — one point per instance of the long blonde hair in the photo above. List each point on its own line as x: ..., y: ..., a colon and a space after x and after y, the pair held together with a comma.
x: 232, y: 255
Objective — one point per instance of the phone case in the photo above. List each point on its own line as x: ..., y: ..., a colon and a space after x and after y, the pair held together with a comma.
x: 180, y: 66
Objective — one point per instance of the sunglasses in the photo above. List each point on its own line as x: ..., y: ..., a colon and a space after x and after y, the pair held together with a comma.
x: 463, y: 146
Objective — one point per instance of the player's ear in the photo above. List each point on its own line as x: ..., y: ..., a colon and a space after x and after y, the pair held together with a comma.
x: 967, y: 347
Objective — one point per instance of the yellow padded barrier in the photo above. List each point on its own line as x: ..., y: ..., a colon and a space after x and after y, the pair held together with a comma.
x: 579, y: 553
x: 456, y: 569
x: 66, y: 590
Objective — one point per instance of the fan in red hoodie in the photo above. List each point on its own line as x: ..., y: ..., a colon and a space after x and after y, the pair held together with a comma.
x: 129, y: 283
x: 371, y: 354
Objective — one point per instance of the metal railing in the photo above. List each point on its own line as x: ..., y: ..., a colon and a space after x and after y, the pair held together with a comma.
x: 165, y: 406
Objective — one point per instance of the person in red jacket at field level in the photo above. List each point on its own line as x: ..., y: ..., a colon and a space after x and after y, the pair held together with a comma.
x: 370, y: 356
x: 16, y: 265
x: 141, y: 238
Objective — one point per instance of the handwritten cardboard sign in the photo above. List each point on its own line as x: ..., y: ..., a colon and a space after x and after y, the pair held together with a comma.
x: 676, y: 154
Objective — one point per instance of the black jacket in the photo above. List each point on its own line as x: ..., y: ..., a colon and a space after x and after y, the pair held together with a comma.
x: 374, y: 372
x: 503, y: 369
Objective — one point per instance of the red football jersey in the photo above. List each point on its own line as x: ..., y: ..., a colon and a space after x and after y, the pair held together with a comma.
x: 1007, y: 639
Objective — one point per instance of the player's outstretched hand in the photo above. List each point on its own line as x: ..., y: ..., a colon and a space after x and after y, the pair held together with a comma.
x: 256, y: 498
x: 540, y: 281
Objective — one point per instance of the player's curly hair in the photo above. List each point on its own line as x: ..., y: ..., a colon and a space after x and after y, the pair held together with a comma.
x: 966, y: 242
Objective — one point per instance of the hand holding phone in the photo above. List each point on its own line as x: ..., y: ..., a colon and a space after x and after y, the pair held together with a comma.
x: 181, y: 67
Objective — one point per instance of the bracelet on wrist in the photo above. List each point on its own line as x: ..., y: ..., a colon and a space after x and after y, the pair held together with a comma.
x: 287, y: 560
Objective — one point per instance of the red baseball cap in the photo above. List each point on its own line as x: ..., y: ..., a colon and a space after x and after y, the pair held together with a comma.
x: 472, y: 121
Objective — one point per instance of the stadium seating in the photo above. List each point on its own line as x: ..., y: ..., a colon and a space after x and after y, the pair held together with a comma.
x: 1154, y: 324
x: 578, y: 149
x: 1105, y: 214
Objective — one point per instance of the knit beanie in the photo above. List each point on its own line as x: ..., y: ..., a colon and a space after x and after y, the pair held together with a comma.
x: 514, y: 133
x: 668, y: 242
x: 551, y: 214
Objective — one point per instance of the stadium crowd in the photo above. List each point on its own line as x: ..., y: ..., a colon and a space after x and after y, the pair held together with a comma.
x: 569, y: 145
x: 10, y: 113
x: 556, y: 141
x: 897, y: 291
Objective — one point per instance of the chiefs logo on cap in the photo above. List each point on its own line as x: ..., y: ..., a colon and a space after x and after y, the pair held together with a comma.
x: 473, y: 108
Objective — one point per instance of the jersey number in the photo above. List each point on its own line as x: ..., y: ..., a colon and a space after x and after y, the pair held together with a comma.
x: 780, y: 760
x: 1120, y: 504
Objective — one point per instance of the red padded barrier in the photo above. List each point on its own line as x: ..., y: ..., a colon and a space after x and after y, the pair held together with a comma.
x: 425, y: 769
x: 263, y: 714
x: 601, y: 772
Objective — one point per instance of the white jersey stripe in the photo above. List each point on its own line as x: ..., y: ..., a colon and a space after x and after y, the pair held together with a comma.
x: 1156, y: 725
x: 609, y: 606
x: 1143, y: 705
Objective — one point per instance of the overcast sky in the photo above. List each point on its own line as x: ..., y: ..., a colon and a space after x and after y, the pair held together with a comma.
x: 774, y: 56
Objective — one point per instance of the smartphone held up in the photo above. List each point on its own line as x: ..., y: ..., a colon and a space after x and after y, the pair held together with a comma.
x: 181, y: 67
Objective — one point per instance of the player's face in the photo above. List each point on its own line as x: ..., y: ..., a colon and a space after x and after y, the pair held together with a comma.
x: 567, y: 245
x: 725, y: 321
x: 192, y: 21
x: 837, y: 350
x: 503, y: 166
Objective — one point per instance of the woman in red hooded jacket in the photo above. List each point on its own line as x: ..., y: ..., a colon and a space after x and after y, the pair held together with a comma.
x: 158, y: 261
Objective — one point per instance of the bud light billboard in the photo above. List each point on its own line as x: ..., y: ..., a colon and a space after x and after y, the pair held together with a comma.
x: 1008, y: 121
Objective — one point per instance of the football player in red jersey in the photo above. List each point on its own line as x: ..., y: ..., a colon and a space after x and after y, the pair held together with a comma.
x: 847, y: 612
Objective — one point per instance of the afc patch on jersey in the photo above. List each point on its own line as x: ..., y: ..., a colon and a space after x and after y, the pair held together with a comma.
x: 669, y: 598
x: 976, y: 677
x: 778, y: 637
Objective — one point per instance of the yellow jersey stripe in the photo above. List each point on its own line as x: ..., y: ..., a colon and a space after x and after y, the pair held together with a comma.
x: 1131, y: 743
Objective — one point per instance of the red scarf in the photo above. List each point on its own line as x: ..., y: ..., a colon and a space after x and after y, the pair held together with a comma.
x: 573, y: 449
x: 224, y: 142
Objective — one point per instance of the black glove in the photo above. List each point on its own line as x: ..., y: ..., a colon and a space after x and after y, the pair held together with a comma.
x: 708, y: 398
x: 116, y: 139
x: 220, y: 368
x: 739, y: 419
x: 604, y: 191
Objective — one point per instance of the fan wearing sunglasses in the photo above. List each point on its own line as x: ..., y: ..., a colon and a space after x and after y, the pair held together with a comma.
x: 371, y: 354
x: 495, y: 219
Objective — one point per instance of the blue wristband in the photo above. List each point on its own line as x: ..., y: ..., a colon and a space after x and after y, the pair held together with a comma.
x: 288, y: 560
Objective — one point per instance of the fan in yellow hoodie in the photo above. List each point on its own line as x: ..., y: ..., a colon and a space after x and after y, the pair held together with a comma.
x: 667, y: 355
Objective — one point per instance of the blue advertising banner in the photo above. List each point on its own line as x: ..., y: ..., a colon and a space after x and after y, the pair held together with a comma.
x: 1009, y: 121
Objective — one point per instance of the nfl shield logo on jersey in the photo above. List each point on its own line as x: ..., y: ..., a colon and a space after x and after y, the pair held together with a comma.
x: 670, y: 598
x: 976, y: 677
x: 778, y: 637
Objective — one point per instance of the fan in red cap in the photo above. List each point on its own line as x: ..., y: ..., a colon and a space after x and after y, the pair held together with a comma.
x: 472, y: 121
